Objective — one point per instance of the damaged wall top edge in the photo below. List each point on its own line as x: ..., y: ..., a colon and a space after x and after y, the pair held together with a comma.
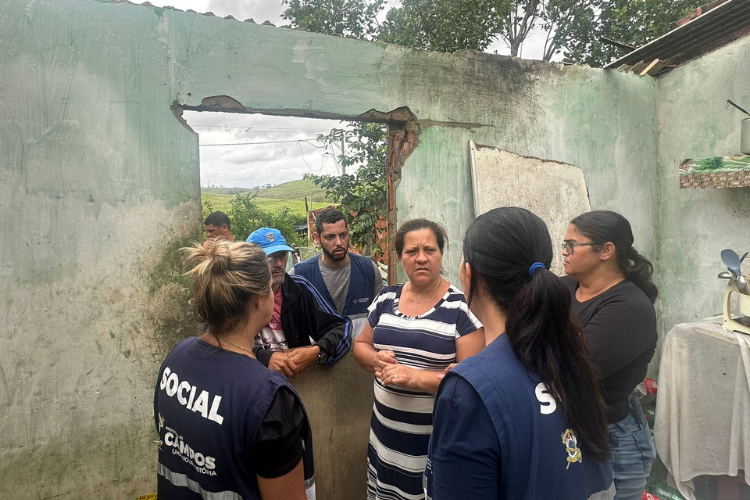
x: 227, y: 104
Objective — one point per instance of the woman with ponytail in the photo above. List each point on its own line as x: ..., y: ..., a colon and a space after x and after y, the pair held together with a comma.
x: 228, y: 426
x: 524, y: 418
x: 612, y: 295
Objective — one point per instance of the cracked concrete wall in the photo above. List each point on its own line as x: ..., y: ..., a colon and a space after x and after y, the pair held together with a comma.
x: 99, y: 187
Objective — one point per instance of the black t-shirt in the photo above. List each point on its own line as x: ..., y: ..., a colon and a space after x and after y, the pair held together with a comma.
x: 620, y: 326
x: 278, y: 446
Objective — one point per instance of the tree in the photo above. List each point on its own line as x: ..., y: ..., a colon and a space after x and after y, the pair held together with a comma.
x: 363, y: 193
x: 444, y: 25
x: 518, y: 23
x: 630, y: 22
x: 572, y: 27
x: 352, y: 18
x: 451, y: 25
x: 247, y: 216
x: 560, y: 19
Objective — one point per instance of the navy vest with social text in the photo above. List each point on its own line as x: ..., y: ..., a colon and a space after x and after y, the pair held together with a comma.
x: 208, y: 407
x: 541, y: 456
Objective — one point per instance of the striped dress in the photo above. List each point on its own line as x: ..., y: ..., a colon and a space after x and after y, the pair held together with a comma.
x: 401, y: 420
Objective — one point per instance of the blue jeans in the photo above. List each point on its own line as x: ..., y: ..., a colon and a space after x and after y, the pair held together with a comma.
x: 632, y: 449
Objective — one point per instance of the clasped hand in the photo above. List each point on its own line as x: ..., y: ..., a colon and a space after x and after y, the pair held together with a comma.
x: 390, y: 371
x: 293, y: 361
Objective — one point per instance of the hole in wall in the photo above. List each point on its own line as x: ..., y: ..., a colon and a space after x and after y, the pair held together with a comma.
x: 280, y: 167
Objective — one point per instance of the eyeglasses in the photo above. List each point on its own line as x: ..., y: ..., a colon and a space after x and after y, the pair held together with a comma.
x: 569, y: 246
x: 277, y: 256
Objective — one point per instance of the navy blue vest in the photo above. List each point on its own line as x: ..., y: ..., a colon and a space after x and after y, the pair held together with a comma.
x: 208, y: 407
x: 361, y: 283
x: 541, y: 457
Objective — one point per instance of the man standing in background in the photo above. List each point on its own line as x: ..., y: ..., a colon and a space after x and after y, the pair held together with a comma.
x: 217, y: 224
x: 349, y: 282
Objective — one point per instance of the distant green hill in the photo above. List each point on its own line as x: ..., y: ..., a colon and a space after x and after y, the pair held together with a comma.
x: 292, y: 190
x: 229, y: 191
x: 290, y: 194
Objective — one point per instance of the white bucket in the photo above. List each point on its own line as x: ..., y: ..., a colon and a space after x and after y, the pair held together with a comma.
x: 745, y: 137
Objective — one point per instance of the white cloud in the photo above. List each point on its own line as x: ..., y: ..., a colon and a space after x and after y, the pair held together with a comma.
x: 259, y: 10
x: 290, y: 150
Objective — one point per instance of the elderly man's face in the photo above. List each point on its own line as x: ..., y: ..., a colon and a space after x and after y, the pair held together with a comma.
x: 277, y: 261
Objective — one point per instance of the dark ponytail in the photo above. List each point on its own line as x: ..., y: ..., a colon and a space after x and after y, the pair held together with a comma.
x: 602, y: 226
x: 500, y: 246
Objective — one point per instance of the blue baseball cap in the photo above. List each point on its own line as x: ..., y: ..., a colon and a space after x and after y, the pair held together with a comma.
x: 269, y: 239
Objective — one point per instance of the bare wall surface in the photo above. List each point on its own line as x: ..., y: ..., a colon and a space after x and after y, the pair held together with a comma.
x: 696, y: 224
x: 98, y: 187
x: 554, y: 191
x: 99, y: 184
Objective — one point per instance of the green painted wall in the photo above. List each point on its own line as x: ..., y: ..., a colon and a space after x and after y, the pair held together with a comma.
x: 99, y: 187
x: 694, y: 121
x: 602, y: 122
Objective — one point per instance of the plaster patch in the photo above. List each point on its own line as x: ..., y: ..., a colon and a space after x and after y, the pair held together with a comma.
x: 554, y: 191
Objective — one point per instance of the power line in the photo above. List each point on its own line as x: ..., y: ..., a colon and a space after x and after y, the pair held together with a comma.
x: 266, y: 142
x: 323, y: 162
x: 211, y: 127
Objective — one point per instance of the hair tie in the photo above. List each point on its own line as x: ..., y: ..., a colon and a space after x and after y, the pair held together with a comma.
x: 534, y: 267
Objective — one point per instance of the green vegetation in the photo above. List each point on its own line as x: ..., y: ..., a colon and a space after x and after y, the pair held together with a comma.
x: 247, y: 216
x: 364, y: 193
x: 350, y: 18
x: 296, y: 207
x: 288, y: 194
x: 293, y: 190
x: 632, y: 22
x: 572, y: 28
x: 281, y: 207
x: 225, y: 191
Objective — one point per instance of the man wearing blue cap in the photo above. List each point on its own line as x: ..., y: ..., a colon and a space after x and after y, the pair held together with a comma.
x: 304, y: 327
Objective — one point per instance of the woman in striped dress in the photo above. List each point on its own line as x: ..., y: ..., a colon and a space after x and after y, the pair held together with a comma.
x: 414, y: 332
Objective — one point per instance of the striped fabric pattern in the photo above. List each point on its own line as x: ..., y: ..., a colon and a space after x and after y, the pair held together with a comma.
x: 401, y: 420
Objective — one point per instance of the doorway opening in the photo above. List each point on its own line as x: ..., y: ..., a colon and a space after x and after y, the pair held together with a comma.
x: 264, y: 169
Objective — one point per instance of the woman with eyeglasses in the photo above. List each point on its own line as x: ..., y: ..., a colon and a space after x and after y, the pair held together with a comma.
x: 524, y: 418
x: 612, y: 295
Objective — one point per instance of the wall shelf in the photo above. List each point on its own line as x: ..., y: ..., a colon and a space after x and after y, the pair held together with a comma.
x: 715, y: 172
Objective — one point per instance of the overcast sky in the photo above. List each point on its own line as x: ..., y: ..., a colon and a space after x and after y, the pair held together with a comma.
x: 289, y: 153
x: 266, y: 150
